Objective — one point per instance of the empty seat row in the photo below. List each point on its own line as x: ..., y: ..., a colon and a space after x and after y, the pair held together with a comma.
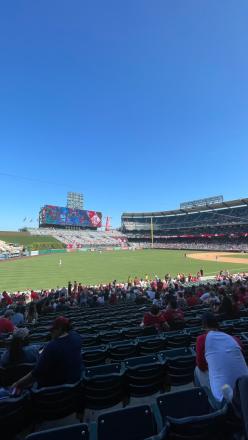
x: 120, y: 350
x: 166, y: 419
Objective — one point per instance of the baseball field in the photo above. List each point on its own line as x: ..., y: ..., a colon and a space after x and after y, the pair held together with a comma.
x: 94, y: 267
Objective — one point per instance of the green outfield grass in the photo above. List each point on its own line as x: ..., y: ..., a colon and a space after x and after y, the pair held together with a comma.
x: 94, y: 267
x: 25, y: 239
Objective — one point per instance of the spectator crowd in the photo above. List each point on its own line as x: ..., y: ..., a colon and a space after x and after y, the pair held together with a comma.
x: 219, y: 358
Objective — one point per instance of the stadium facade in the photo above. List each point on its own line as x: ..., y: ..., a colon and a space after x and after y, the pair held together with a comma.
x: 210, y: 225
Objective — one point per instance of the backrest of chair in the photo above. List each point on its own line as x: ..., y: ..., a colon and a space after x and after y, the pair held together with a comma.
x: 72, y: 432
x: 14, y: 414
x: 94, y: 355
x: 55, y: 402
x: 135, y: 423
x: 142, y: 361
x: 182, y: 340
x: 181, y: 404
x: 12, y: 373
x: 177, y: 353
x: 103, y: 370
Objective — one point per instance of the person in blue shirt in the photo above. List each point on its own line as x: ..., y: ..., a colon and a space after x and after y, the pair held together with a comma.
x: 18, y: 317
x: 61, y: 360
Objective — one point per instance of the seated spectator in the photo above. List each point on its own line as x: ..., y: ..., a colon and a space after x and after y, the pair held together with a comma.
x: 157, y: 300
x: 192, y: 300
x: 172, y: 314
x: 219, y: 360
x: 226, y: 307
x: 60, y: 361
x: 181, y: 301
x: 7, y: 300
x: 155, y: 318
x: 213, y: 299
x: 6, y: 325
x: 18, y: 317
x: 18, y: 352
x: 237, y: 304
x: 32, y: 315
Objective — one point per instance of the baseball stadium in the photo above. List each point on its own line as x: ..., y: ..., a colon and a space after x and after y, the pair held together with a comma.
x: 124, y: 220
x: 124, y: 310
x: 211, y: 234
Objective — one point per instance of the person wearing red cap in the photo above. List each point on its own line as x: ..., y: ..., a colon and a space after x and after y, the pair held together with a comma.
x: 60, y: 361
x: 6, y: 325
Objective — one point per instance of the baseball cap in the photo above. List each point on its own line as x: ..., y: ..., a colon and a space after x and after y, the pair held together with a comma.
x: 61, y: 323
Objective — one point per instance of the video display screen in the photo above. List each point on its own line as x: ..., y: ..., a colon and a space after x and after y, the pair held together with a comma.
x: 56, y: 215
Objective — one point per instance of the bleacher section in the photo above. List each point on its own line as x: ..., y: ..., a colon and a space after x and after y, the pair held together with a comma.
x: 84, y: 238
x: 124, y: 363
x: 223, y: 226
x: 10, y: 249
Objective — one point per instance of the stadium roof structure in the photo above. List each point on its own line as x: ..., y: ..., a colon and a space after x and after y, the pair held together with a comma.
x: 212, y: 207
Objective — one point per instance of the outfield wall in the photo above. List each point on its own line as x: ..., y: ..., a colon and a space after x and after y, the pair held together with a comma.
x: 5, y: 256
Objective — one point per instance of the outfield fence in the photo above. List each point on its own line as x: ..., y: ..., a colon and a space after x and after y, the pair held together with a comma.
x: 7, y: 256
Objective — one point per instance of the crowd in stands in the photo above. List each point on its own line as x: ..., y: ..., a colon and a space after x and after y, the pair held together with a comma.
x: 84, y: 238
x: 228, y: 217
x: 208, y: 245
x: 10, y: 250
x: 166, y: 304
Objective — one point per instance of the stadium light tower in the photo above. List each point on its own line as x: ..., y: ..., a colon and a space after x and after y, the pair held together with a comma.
x: 75, y: 200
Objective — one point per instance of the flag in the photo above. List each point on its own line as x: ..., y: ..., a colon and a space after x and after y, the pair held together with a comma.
x: 25, y: 218
x: 30, y: 221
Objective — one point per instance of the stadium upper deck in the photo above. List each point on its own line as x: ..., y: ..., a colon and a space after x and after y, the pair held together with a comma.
x: 226, y: 217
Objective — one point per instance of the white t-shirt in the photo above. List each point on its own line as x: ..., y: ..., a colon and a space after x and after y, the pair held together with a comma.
x: 225, y: 361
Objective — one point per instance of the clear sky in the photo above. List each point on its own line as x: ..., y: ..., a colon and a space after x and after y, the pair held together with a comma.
x: 139, y: 104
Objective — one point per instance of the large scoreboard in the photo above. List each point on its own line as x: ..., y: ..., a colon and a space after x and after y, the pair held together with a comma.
x: 58, y: 216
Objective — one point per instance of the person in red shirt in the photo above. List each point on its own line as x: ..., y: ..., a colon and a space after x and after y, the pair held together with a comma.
x: 34, y: 296
x: 172, y: 314
x: 6, y: 299
x: 6, y: 325
x: 160, y: 286
x: 192, y: 300
x: 155, y: 318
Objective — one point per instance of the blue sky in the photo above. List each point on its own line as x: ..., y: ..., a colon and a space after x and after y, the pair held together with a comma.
x: 138, y: 104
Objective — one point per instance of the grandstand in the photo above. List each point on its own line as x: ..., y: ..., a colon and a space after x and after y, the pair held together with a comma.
x: 84, y: 238
x: 10, y: 249
x: 216, y: 226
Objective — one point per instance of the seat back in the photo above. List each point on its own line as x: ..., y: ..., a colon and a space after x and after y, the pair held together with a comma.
x: 177, y: 341
x: 73, y: 432
x: 135, y: 423
x: 94, y: 355
x: 121, y: 350
x: 151, y: 344
x: 144, y: 375
x: 56, y: 402
x: 12, y: 373
x: 106, y: 337
x: 195, y: 419
x: 103, y: 386
x: 180, y: 365
x: 14, y: 414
